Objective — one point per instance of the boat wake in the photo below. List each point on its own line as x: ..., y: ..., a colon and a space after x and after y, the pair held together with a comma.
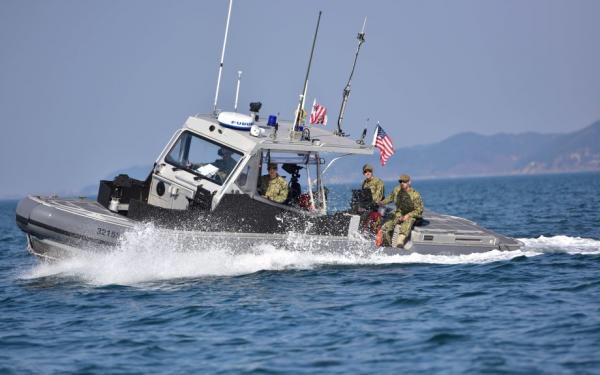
x: 150, y: 254
x: 562, y: 244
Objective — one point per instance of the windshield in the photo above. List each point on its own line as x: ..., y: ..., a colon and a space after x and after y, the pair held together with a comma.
x: 203, y: 158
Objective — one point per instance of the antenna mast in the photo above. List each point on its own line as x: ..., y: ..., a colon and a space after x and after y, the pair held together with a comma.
x: 222, y: 57
x: 346, y: 94
x: 237, y: 90
x: 303, y: 96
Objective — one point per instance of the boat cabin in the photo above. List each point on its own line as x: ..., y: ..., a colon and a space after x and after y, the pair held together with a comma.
x: 210, y: 157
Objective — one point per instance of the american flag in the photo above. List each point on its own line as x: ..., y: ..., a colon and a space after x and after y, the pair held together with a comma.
x: 384, y: 143
x: 318, y: 114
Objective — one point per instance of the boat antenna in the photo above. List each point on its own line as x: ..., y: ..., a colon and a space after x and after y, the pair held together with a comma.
x: 346, y: 93
x: 237, y: 91
x: 300, y: 109
x: 222, y: 57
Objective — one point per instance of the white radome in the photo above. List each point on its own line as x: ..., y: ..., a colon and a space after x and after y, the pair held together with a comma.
x: 235, y: 120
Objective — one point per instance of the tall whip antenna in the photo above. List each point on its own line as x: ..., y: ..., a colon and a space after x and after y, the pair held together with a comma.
x: 300, y: 109
x: 346, y: 94
x: 222, y: 57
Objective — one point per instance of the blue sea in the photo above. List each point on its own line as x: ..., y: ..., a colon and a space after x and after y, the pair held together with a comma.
x: 156, y: 306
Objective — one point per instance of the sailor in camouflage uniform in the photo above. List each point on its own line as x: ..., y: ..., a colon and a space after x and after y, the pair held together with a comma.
x: 273, y: 186
x: 409, y: 208
x: 375, y: 184
x: 372, y: 219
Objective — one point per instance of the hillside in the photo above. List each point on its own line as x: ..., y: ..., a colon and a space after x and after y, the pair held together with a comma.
x: 577, y: 151
x: 472, y: 154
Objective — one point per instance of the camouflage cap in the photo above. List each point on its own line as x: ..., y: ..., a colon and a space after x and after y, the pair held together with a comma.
x: 272, y: 166
x: 404, y: 178
x: 367, y: 168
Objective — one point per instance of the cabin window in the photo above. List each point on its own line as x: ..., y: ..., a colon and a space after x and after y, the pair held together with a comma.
x: 248, y: 176
x: 202, y: 157
x: 300, y: 170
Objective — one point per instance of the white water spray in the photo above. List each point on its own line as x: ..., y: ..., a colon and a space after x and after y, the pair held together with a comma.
x: 150, y: 254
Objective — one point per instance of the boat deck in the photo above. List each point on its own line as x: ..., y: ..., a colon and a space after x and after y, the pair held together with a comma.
x: 437, y: 231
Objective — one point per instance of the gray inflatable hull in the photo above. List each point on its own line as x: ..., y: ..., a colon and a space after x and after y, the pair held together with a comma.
x: 58, y: 228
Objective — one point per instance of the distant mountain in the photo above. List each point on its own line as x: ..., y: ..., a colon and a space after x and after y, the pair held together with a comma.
x: 472, y: 154
x: 577, y: 151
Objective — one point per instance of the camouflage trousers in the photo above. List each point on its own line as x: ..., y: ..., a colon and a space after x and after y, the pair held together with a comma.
x: 371, y: 222
x: 388, y: 229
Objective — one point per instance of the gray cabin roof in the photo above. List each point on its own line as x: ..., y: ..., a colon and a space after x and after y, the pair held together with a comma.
x: 321, y: 140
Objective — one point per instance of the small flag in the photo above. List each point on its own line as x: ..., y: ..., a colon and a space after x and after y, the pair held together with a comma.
x: 318, y: 114
x: 384, y: 143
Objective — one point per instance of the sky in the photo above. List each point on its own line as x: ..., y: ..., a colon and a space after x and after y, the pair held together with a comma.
x: 88, y: 87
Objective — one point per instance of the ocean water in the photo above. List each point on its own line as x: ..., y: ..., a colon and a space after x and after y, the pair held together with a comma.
x: 157, y: 305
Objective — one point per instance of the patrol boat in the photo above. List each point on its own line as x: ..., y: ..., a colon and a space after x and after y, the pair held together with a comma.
x: 205, y: 186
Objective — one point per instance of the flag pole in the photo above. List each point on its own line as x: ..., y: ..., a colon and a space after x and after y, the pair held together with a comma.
x: 375, y: 134
x: 311, y: 110
x: 300, y: 108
